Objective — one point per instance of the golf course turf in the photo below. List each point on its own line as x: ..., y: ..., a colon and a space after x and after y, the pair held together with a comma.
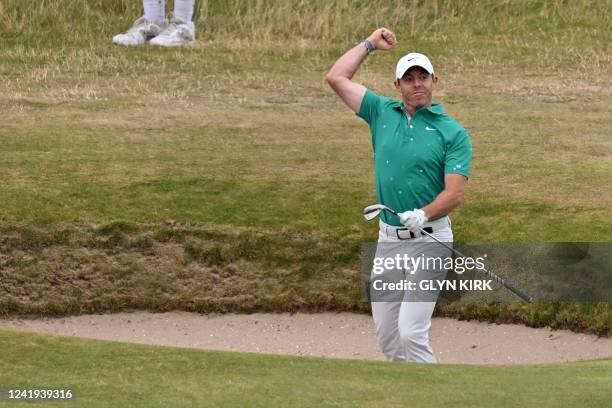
x: 104, y: 374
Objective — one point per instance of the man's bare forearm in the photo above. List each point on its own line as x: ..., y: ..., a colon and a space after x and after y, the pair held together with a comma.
x: 341, y: 74
x: 449, y: 199
x: 443, y: 204
x: 348, y: 64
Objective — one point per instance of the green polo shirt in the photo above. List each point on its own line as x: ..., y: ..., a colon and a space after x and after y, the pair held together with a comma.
x: 412, y: 155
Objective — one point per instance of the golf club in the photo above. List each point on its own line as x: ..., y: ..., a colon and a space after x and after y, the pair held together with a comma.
x: 372, y: 211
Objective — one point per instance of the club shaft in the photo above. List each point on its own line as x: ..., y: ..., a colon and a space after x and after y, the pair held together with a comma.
x: 484, y: 271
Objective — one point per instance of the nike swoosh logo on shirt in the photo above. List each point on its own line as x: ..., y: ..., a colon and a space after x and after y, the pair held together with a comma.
x: 428, y: 128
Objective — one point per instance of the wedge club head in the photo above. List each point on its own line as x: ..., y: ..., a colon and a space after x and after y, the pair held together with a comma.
x: 372, y: 211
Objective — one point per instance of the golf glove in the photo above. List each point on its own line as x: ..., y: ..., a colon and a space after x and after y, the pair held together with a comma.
x: 413, y: 219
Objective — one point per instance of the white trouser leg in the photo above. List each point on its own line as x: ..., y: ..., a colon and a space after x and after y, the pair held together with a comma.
x: 402, y: 328
x: 413, y: 328
x: 386, y: 315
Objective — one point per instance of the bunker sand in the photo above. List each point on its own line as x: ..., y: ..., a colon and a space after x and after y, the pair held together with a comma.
x: 331, y: 335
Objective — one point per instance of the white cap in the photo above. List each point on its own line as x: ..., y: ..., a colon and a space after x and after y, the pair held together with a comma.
x: 414, y: 59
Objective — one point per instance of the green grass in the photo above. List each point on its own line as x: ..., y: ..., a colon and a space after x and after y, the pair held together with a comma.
x: 103, y: 374
x: 240, y: 175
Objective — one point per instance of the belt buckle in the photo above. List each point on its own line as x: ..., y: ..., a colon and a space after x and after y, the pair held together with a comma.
x: 412, y: 234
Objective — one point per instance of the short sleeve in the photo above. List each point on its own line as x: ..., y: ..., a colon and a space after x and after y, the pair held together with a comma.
x: 370, y: 106
x: 459, y: 155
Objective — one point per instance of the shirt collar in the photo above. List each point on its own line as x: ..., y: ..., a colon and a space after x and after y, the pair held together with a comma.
x: 435, y: 108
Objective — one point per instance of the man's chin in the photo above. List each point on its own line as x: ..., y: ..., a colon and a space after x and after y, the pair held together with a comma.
x: 419, y: 102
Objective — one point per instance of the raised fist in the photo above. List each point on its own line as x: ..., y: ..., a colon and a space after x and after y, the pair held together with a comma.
x: 383, y: 39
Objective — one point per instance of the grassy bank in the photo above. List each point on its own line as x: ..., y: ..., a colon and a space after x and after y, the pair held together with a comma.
x: 105, y: 374
x: 228, y: 177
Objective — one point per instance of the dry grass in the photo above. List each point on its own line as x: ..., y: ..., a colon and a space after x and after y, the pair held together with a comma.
x: 169, y: 266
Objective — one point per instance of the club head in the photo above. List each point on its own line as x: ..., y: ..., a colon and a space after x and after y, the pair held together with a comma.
x: 372, y: 211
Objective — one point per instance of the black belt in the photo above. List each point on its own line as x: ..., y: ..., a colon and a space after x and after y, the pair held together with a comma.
x: 412, y: 234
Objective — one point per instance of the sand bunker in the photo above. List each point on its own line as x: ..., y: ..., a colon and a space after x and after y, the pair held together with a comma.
x: 332, y: 335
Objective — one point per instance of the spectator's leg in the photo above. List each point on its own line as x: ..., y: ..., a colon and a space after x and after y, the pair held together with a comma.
x: 183, y: 9
x: 155, y: 11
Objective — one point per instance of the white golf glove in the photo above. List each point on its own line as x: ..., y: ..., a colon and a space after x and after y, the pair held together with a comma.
x: 413, y: 219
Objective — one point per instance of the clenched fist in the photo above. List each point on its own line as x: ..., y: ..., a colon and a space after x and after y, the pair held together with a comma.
x: 383, y: 39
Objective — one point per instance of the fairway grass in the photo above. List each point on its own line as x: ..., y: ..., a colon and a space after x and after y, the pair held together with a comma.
x: 103, y: 374
x: 228, y: 176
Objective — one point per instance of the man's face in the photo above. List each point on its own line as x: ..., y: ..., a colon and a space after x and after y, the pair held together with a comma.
x: 416, y: 87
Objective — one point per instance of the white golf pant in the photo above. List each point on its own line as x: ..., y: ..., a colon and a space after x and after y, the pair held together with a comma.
x: 402, y: 327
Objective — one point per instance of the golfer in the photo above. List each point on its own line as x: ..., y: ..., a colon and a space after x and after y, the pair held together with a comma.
x: 422, y: 158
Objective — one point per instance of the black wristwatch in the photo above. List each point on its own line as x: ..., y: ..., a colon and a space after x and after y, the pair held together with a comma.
x: 366, y: 43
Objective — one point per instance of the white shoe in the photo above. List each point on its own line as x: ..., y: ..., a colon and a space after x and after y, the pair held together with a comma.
x: 140, y: 33
x: 176, y: 33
